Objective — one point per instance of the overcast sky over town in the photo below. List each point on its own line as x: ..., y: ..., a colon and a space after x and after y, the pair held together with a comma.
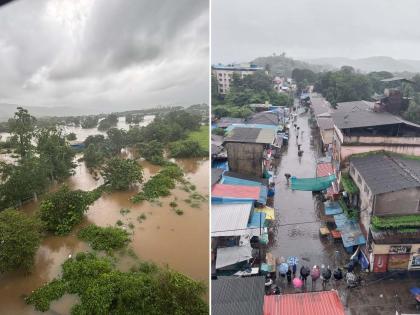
x: 104, y: 53
x: 245, y: 29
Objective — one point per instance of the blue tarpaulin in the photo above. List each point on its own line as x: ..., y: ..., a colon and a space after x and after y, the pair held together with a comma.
x: 332, y: 207
x: 220, y: 164
x: 228, y: 180
x: 257, y: 220
x: 351, y: 234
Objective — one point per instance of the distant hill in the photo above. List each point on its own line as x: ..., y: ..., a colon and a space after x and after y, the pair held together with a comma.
x: 377, y: 63
x: 284, y: 65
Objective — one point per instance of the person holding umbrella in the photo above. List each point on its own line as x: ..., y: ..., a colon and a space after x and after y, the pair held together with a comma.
x: 315, y: 274
x: 304, y: 273
x: 325, y: 276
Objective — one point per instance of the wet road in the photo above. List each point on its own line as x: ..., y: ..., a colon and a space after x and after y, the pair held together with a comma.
x: 297, y: 221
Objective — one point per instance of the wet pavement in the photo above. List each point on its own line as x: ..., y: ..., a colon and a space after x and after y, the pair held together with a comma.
x: 296, y: 233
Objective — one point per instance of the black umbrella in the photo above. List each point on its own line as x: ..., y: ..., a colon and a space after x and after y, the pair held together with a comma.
x: 326, y: 274
x: 338, y: 274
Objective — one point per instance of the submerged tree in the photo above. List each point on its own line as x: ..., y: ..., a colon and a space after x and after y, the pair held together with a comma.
x: 20, y: 237
x: 120, y: 174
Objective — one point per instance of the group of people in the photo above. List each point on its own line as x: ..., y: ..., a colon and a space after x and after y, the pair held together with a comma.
x: 299, y: 281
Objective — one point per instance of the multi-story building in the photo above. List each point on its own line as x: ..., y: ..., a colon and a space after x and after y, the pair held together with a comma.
x: 389, y: 194
x: 361, y: 127
x: 224, y: 74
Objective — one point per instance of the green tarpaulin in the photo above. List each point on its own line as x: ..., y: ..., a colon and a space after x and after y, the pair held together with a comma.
x: 312, y: 184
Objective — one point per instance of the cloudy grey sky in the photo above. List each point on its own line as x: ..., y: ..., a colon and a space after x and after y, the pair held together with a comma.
x: 109, y: 54
x: 245, y: 29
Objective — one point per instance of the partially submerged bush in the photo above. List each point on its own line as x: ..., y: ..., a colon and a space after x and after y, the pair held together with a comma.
x: 160, y: 185
x: 102, y: 289
x: 104, y: 238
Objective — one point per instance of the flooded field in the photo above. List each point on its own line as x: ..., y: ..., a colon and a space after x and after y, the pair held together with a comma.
x: 181, y: 242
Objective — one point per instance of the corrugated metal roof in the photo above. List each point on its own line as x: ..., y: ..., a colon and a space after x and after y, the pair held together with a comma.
x: 385, y: 173
x: 227, y: 180
x: 320, y: 106
x: 359, y: 114
x: 227, y: 218
x: 251, y: 135
x: 325, y: 123
x: 313, y: 303
x: 227, y: 256
x: 263, y: 181
x: 265, y: 118
x: 236, y: 191
x: 237, y: 296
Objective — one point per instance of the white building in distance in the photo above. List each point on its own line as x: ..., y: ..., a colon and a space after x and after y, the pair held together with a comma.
x: 224, y: 74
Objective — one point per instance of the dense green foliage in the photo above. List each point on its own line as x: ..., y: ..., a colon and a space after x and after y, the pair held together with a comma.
x: 71, y: 136
x: 348, y: 184
x: 120, y: 174
x: 396, y: 222
x: 93, y: 156
x: 102, y: 289
x: 161, y: 184
x: 22, y: 181
x: 89, y: 122
x: 344, y: 85
x: 152, y: 151
x: 108, y: 122
x: 104, y: 238
x: 54, y: 150
x: 186, y: 148
x: 22, y: 129
x: 351, y: 213
x: 19, y: 239
x: 60, y: 211
x: 219, y: 131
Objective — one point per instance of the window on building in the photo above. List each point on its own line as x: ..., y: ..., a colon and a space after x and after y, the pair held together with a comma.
x: 220, y: 74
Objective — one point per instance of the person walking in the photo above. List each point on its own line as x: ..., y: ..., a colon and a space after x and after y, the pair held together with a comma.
x: 289, y: 275
x: 304, y: 273
x: 294, y: 267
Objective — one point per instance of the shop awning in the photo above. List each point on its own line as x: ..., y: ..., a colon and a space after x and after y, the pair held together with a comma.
x: 269, y: 212
x: 351, y: 234
x: 227, y: 256
x: 332, y: 208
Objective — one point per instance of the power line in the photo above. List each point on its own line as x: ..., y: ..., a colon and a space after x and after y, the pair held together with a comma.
x: 249, y: 228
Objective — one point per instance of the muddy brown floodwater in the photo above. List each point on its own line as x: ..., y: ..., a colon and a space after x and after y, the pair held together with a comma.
x: 181, y: 242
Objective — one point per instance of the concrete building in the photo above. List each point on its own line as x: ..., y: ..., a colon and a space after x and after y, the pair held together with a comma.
x: 359, y: 127
x: 224, y: 74
x: 389, y: 187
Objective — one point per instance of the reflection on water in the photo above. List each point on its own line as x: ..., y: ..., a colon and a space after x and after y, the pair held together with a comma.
x: 163, y: 237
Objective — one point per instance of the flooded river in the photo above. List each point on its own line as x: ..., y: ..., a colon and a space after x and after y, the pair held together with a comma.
x: 163, y: 237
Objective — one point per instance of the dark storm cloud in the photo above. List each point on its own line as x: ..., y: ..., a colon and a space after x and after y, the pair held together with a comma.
x: 75, y: 52
x: 245, y: 29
